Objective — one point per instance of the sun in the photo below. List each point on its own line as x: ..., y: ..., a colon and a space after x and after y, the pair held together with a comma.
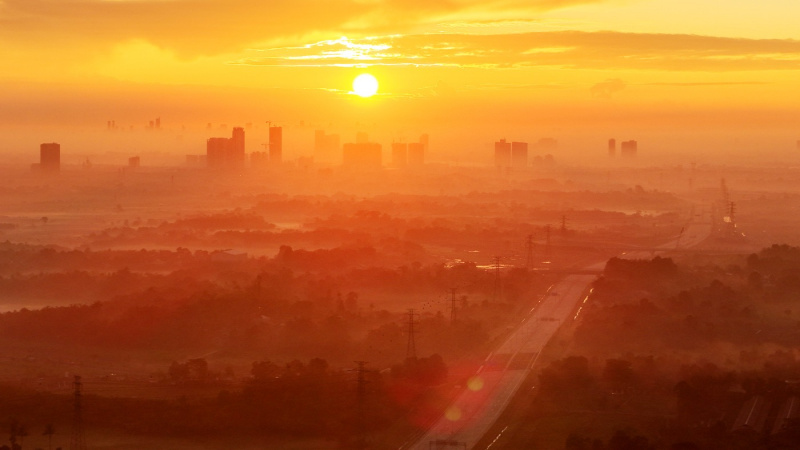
x: 365, y: 85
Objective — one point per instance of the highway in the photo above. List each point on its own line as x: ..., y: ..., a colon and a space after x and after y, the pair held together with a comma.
x: 490, y: 390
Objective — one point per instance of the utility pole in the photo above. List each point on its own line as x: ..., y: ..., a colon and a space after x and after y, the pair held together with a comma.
x: 529, y: 260
x: 564, y: 224
x: 547, y: 243
x: 497, y: 278
x: 411, y: 347
x: 452, y: 306
x: 78, y: 442
x: 361, y: 395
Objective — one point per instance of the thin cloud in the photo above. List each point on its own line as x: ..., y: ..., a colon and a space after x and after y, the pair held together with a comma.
x: 194, y: 27
x: 567, y: 49
x: 607, y: 88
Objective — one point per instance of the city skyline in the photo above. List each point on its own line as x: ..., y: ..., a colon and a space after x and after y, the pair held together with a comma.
x: 588, y: 69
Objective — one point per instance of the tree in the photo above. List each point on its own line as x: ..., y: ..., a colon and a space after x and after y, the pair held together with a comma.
x: 49, y: 431
x: 618, y: 374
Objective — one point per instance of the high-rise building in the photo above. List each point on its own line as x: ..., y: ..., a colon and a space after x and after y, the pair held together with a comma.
x: 217, y: 152
x: 134, y: 162
x: 399, y: 154
x: 612, y: 147
x: 502, y: 154
x: 519, y: 154
x: 628, y: 149
x: 547, y: 144
x: 50, y: 157
x: 275, y: 145
x: 226, y: 152
x: 237, y: 147
x: 416, y: 154
x: 425, y: 140
x: 366, y: 155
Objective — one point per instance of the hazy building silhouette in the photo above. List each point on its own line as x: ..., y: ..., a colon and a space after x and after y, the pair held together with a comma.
x: 217, y: 152
x: 134, y: 162
x: 326, y: 147
x: 628, y: 149
x: 424, y: 140
x: 502, y: 154
x: 50, y: 157
x: 547, y: 144
x: 612, y: 147
x: 226, y: 153
x: 519, y: 154
x: 365, y: 155
x: 399, y: 154
x: 237, y: 147
x: 416, y: 154
x: 275, y: 145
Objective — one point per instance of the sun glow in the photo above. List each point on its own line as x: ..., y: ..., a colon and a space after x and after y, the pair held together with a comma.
x: 365, y: 85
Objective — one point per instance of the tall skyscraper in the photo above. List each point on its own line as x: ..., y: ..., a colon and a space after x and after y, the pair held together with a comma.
x: 217, y: 152
x: 275, y: 145
x: 237, y: 147
x: 226, y: 152
x: 502, y: 154
x: 50, y: 157
x: 628, y: 149
x: 519, y: 154
x: 612, y: 147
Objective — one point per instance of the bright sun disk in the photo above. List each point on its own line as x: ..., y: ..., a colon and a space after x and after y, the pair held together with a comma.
x: 365, y: 85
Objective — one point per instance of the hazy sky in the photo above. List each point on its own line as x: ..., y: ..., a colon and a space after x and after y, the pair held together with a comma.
x: 602, y: 63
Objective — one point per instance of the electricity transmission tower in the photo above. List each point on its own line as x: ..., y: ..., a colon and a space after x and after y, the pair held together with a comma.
x: 411, y: 346
x: 361, y: 395
x: 452, y: 306
x: 78, y: 442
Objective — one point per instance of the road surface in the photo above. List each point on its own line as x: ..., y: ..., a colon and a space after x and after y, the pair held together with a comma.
x: 490, y: 390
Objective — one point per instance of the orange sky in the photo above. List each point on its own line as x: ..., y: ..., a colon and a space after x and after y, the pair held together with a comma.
x: 551, y: 65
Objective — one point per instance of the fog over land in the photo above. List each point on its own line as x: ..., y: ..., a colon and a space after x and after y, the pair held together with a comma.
x: 408, y: 225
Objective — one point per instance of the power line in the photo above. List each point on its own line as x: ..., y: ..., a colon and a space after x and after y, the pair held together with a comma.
x: 78, y: 441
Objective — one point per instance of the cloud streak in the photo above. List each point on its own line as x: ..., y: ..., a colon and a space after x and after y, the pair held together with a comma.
x: 567, y: 49
x: 212, y: 26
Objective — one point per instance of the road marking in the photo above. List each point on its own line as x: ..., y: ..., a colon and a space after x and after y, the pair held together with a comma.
x: 498, y: 437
